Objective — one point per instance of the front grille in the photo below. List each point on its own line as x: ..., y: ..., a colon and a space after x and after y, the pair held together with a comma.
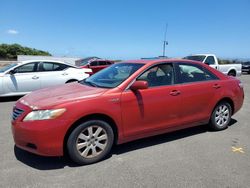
x: 16, y: 113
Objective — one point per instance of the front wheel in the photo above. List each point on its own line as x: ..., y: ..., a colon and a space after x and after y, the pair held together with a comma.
x: 90, y: 142
x: 221, y: 116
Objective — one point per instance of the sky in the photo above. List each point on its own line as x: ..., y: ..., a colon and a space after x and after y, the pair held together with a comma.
x: 128, y: 29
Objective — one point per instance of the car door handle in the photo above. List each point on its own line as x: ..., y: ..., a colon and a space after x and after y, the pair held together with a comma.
x: 35, y: 77
x: 216, y: 86
x: 64, y: 74
x: 175, y: 93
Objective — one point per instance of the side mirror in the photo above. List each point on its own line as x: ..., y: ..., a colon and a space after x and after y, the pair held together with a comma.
x: 139, y: 85
x: 206, y: 63
x: 88, y: 65
x: 11, y: 72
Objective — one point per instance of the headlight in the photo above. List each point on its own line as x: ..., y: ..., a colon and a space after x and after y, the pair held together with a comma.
x: 44, y: 114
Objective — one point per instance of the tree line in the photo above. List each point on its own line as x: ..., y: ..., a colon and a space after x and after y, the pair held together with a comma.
x: 11, y: 51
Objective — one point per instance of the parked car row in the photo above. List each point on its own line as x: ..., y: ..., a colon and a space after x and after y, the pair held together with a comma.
x: 23, y: 77
x: 124, y: 102
x: 96, y: 64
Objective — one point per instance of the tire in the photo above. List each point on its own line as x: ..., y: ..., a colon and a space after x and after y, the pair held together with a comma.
x: 232, y: 73
x: 94, y: 139
x: 221, y: 116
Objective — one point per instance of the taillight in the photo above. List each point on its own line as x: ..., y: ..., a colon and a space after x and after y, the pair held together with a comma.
x: 88, y: 71
x: 240, y: 84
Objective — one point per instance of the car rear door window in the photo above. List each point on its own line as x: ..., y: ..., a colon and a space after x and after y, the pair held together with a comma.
x: 193, y: 73
x: 49, y: 66
x: 159, y: 75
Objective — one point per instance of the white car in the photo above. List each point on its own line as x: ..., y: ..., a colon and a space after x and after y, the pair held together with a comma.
x: 212, y: 61
x: 24, y: 77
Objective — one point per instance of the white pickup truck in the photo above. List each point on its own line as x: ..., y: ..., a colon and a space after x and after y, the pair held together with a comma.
x: 211, y: 60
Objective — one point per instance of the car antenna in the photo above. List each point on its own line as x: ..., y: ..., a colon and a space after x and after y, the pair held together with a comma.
x: 165, y: 42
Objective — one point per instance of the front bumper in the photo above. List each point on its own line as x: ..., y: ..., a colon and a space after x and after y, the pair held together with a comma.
x: 245, y: 69
x: 43, y: 137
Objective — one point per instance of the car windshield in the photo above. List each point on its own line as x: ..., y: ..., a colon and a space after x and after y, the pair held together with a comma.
x: 83, y: 63
x: 112, y: 76
x: 7, y: 67
x: 196, y: 57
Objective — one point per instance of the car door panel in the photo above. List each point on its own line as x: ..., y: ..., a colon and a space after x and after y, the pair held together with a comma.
x: 150, y: 109
x: 155, y: 108
x: 195, y: 99
x: 51, y: 75
x: 21, y: 82
x: 24, y: 79
x: 198, y: 91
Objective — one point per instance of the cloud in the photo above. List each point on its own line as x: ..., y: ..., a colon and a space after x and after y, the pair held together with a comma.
x: 12, y: 32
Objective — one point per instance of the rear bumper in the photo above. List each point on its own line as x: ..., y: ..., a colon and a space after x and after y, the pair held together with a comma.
x: 238, y: 100
x: 246, y: 70
x: 238, y: 73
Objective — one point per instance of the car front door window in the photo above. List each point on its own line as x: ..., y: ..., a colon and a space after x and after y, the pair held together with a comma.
x: 94, y: 63
x: 31, y: 67
x: 159, y: 75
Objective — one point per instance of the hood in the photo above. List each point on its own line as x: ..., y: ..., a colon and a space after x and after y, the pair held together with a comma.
x: 61, y: 94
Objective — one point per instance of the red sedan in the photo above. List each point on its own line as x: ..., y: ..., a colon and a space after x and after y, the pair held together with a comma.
x: 124, y: 102
x: 96, y: 65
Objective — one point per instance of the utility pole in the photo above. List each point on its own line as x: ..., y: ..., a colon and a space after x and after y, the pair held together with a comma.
x: 165, y: 42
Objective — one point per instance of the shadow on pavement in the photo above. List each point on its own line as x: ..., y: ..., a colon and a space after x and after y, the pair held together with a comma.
x: 159, y: 139
x: 9, y: 99
x: 51, y: 163
x: 41, y: 162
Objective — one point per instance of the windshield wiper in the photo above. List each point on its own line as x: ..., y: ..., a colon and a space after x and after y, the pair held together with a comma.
x: 91, y: 83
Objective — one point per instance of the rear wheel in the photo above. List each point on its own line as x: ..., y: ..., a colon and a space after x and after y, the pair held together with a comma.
x: 221, y: 116
x: 232, y: 73
x: 90, y: 142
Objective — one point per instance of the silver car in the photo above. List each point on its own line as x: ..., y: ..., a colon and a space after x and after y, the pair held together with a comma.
x: 22, y: 78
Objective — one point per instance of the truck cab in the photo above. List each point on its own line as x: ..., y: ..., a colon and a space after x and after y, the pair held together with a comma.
x: 212, y: 61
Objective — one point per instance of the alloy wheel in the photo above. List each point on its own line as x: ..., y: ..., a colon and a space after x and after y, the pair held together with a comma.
x: 222, y: 115
x: 92, y: 141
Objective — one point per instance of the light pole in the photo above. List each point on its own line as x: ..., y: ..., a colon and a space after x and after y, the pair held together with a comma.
x: 165, y: 42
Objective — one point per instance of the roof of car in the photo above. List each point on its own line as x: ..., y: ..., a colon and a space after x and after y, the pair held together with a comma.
x: 101, y: 60
x: 153, y: 61
x: 52, y: 61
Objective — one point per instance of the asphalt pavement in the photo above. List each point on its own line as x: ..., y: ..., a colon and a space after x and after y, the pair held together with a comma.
x: 194, y: 157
